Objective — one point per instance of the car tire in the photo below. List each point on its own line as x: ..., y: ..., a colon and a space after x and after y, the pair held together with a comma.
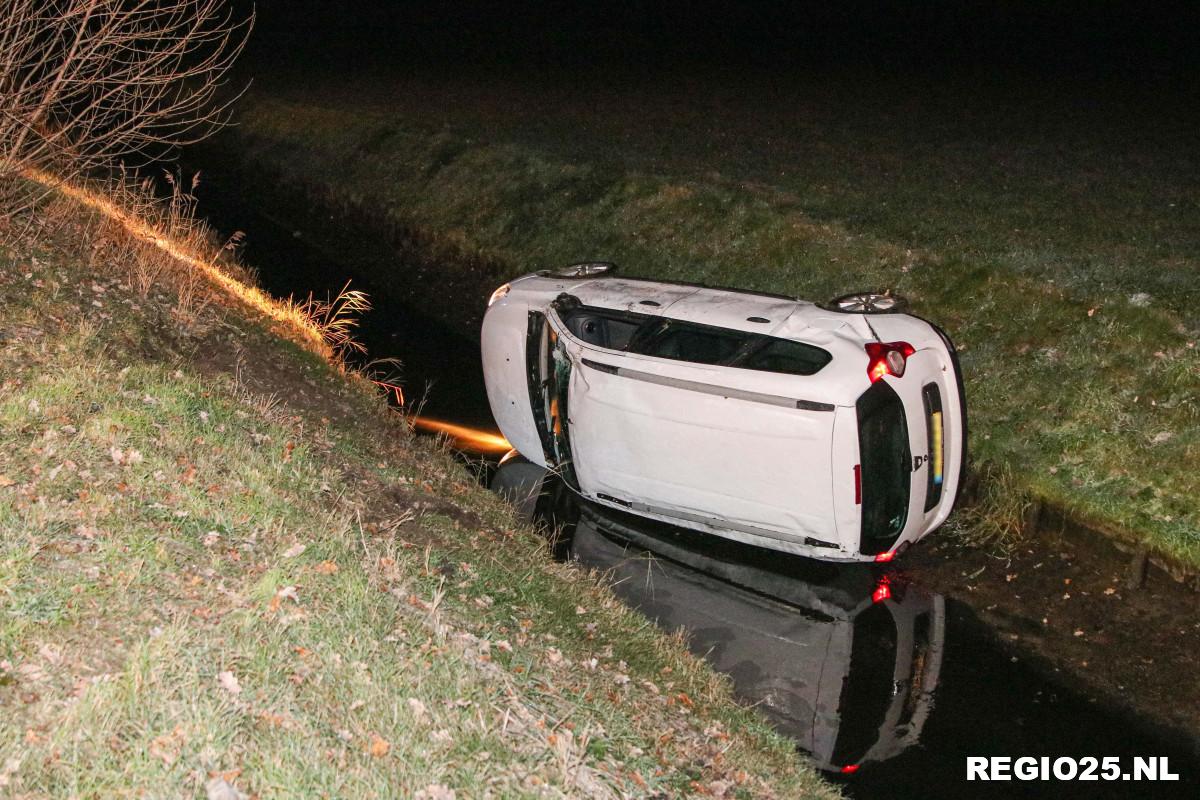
x: 868, y: 303
x: 586, y: 269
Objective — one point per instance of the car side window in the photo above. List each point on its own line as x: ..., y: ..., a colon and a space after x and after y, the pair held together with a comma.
x: 786, y: 356
x: 678, y: 340
x: 698, y: 344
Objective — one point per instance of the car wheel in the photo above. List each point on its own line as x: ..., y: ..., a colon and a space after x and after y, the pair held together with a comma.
x: 586, y: 269
x: 868, y: 303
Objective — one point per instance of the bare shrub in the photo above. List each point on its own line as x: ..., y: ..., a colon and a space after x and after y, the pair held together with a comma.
x: 88, y: 84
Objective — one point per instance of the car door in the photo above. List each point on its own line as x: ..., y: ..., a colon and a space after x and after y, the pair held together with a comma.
x: 735, y: 448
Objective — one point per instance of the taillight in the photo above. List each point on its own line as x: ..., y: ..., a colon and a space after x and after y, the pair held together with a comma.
x: 887, y: 358
x: 885, y: 557
x: 850, y: 769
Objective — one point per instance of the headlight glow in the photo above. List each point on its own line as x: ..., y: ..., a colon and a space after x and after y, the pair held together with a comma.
x: 499, y: 293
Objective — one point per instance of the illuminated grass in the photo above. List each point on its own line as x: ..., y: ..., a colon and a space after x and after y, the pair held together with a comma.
x: 302, y: 319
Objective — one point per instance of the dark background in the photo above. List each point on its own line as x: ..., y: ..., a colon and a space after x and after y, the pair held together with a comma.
x: 1146, y: 42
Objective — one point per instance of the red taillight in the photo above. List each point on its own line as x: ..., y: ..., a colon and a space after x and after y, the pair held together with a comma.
x: 850, y: 769
x: 858, y: 484
x: 887, y: 358
x: 888, y: 556
x: 882, y: 592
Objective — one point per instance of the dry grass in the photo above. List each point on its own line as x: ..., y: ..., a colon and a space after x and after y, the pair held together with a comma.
x: 161, y: 242
x: 996, y: 519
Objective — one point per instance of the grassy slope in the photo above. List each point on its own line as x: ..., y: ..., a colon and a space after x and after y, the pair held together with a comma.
x: 222, y: 559
x: 1086, y: 395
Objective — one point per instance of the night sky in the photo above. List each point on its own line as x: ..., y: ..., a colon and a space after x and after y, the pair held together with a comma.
x: 1130, y: 41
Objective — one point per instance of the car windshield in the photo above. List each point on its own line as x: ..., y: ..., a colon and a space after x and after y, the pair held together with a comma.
x: 886, y: 466
x: 692, y: 342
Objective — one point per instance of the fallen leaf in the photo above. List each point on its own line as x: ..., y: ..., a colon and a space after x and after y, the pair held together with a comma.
x: 286, y: 593
x: 6, y: 481
x: 229, y: 682
x: 295, y: 550
x: 418, y: 709
x: 436, y: 791
x: 378, y: 746
x: 168, y: 746
x: 220, y: 789
x: 326, y: 568
x: 124, y: 458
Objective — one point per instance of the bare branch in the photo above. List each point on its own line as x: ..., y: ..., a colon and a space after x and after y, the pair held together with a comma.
x: 87, y: 84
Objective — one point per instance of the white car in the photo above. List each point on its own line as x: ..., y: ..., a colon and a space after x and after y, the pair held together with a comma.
x: 834, y: 432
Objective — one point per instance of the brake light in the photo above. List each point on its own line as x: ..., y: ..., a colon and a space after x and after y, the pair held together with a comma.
x: 850, y: 769
x: 887, y: 358
x: 888, y: 556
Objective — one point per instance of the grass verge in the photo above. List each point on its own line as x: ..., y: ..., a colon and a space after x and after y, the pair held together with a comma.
x: 1086, y: 396
x: 225, y: 567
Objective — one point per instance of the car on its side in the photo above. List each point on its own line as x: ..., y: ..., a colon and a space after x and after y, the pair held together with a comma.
x: 836, y: 431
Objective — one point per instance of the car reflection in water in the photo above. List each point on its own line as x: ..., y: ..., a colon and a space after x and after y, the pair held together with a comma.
x: 842, y: 660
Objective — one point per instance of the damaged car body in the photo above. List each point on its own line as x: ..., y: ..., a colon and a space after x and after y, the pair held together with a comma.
x: 833, y: 432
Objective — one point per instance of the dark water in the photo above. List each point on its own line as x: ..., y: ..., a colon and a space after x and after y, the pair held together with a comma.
x: 860, y: 668
x: 298, y: 251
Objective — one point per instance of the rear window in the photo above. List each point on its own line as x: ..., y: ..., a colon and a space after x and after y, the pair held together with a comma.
x: 886, y: 466
x: 692, y: 342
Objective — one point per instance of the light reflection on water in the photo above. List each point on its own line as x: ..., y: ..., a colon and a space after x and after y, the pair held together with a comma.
x: 841, y: 660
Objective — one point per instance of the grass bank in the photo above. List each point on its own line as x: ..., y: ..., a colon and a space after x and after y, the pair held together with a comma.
x: 226, y: 568
x: 1063, y: 275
